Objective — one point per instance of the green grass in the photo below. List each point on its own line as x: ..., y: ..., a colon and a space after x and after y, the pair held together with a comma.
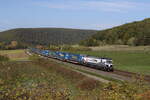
x: 28, y: 79
x: 101, y: 76
x: 91, y: 73
x: 133, y: 61
x: 15, y: 55
x: 47, y: 80
x: 11, y: 51
x: 20, y: 59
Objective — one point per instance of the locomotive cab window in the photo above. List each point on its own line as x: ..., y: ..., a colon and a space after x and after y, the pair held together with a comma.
x: 109, y: 61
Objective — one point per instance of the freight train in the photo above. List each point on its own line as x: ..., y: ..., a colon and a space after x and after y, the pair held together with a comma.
x: 104, y: 64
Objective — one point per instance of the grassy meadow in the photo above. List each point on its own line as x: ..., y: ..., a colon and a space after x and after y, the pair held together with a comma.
x: 133, y: 59
x: 43, y: 79
x: 15, y: 54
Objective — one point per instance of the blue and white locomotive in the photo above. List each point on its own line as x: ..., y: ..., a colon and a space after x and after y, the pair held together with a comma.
x: 89, y: 61
x: 99, y: 63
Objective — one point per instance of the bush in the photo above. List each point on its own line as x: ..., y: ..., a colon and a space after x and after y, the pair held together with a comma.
x: 136, y: 90
x: 3, y: 58
x: 68, y: 48
x: 12, y: 45
x: 89, y: 42
x: 88, y: 84
x: 120, y: 42
x: 131, y: 41
x: 54, y: 47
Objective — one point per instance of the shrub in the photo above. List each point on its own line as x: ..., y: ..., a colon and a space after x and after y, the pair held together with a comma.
x: 3, y: 58
x: 88, y: 84
x: 89, y: 42
x: 131, y: 41
x: 68, y: 48
x: 125, y: 91
x: 119, y: 42
x: 76, y: 48
x: 54, y: 47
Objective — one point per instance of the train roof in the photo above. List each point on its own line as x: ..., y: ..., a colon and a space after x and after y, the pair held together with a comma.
x: 107, y: 58
x: 75, y: 54
x: 99, y: 57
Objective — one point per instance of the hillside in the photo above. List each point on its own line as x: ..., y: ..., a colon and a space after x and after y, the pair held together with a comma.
x: 46, y: 36
x: 135, y: 33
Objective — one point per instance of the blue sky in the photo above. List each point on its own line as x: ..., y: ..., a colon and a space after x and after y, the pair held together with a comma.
x: 82, y: 14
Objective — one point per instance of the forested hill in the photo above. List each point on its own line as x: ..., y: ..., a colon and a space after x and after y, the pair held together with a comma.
x: 46, y: 36
x: 135, y: 33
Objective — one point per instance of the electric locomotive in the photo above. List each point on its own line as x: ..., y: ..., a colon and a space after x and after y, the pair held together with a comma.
x: 99, y: 63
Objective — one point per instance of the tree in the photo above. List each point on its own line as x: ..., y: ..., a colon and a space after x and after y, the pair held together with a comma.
x: 2, y: 45
x: 119, y: 42
x: 131, y: 41
x: 90, y: 42
x: 14, y: 44
x: 39, y: 47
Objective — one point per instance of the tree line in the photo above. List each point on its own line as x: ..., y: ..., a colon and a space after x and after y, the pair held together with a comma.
x: 46, y: 36
x: 136, y: 33
x: 12, y: 45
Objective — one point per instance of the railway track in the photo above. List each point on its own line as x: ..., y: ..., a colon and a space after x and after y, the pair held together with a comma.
x: 131, y: 74
x: 108, y: 75
x: 117, y: 74
x: 128, y: 75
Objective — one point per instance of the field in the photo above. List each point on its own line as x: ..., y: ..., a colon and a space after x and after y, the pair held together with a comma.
x: 121, y: 48
x: 43, y: 79
x: 133, y: 59
x: 15, y: 54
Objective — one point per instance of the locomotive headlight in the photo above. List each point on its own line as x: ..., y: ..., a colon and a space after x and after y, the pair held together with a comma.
x: 109, y: 65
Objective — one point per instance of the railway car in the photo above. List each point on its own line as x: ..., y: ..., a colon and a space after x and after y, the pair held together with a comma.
x: 57, y: 55
x: 44, y: 52
x: 37, y: 51
x: 52, y: 54
x: 61, y: 55
x: 75, y: 58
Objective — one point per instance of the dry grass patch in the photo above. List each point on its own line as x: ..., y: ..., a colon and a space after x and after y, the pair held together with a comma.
x: 48, y: 80
x: 14, y: 54
x: 121, y: 48
x: 80, y: 81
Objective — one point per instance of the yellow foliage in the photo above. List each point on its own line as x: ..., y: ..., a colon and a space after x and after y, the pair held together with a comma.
x: 14, y: 43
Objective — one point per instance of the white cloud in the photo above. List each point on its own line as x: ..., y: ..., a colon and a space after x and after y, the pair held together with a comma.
x: 6, y: 24
x: 110, y: 6
x: 107, y: 6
